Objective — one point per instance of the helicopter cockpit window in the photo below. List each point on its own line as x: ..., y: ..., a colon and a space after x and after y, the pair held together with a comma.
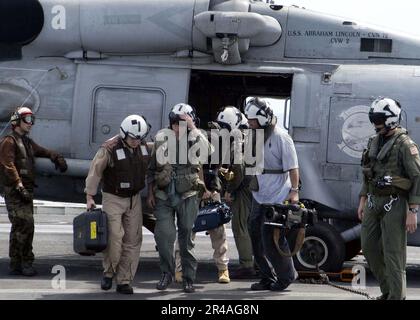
x: 376, y: 45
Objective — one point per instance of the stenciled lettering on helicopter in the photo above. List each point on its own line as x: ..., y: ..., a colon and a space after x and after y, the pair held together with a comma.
x: 356, y: 130
x: 58, y: 21
x: 335, y: 37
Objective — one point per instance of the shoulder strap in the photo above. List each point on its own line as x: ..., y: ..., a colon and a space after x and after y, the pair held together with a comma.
x: 273, y: 171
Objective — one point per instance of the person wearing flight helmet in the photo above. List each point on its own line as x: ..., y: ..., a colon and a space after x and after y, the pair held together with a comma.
x: 237, y: 192
x: 174, y: 191
x: 389, y: 197
x: 213, y: 184
x: 17, y: 171
x: 279, y: 181
x: 121, y: 165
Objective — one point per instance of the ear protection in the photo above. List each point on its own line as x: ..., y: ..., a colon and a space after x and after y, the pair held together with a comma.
x: 264, y: 115
x: 22, y: 114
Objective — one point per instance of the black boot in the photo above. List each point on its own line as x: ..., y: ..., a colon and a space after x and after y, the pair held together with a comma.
x: 124, y: 289
x: 279, y: 285
x: 28, y: 271
x: 264, y: 284
x: 188, y: 286
x: 164, y: 281
x: 106, y: 283
x: 15, y: 271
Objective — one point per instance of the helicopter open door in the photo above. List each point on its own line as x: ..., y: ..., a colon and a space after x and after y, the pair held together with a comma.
x: 212, y: 90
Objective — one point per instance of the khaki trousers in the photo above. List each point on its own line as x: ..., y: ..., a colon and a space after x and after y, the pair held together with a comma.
x: 125, y: 220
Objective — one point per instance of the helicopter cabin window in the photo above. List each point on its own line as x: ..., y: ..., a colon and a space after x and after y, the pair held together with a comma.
x: 281, y: 109
x: 112, y: 105
x: 376, y: 45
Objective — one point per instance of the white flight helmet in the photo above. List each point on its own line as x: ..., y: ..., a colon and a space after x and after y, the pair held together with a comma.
x: 257, y: 108
x: 229, y: 118
x: 22, y: 114
x: 134, y: 126
x: 385, y: 111
x: 244, y: 122
x: 180, y: 109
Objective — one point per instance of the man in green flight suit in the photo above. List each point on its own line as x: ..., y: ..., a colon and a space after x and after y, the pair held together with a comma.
x: 175, y: 186
x: 389, y: 198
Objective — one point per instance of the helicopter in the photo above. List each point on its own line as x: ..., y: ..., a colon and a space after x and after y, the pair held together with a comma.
x: 84, y: 65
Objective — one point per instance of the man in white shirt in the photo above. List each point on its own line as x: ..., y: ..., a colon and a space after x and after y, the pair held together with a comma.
x: 278, y: 182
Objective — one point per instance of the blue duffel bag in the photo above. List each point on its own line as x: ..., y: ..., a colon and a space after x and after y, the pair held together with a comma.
x: 211, y: 216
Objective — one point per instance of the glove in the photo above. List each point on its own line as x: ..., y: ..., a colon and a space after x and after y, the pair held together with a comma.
x: 60, y: 162
x: 24, y: 194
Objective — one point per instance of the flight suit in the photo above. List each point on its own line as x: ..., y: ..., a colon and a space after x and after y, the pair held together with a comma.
x: 218, y: 243
x: 172, y: 202
x: 391, y: 181
x: 17, y: 159
x: 122, y: 171
x: 218, y: 235
x: 241, y: 208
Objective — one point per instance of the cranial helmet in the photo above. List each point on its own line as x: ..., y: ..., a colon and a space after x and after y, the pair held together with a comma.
x: 22, y: 114
x: 134, y: 126
x: 180, y: 109
x: 257, y: 108
x: 385, y: 111
x: 229, y: 118
x: 244, y: 122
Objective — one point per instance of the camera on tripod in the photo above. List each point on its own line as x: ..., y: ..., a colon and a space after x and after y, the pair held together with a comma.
x: 289, y: 215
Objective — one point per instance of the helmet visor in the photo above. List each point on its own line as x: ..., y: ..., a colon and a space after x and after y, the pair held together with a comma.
x: 377, y: 118
x: 28, y: 119
x: 132, y: 136
x: 224, y: 125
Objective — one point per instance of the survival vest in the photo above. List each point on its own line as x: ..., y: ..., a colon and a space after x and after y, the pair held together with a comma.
x: 127, y: 175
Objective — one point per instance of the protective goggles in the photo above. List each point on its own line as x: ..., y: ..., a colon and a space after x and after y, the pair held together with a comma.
x: 377, y: 118
x: 132, y: 136
x: 28, y: 118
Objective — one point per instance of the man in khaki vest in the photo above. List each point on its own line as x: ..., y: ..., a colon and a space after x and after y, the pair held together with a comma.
x: 17, y: 159
x: 121, y: 165
x: 389, y: 198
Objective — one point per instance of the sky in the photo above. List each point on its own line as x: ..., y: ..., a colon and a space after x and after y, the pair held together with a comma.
x: 401, y: 15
